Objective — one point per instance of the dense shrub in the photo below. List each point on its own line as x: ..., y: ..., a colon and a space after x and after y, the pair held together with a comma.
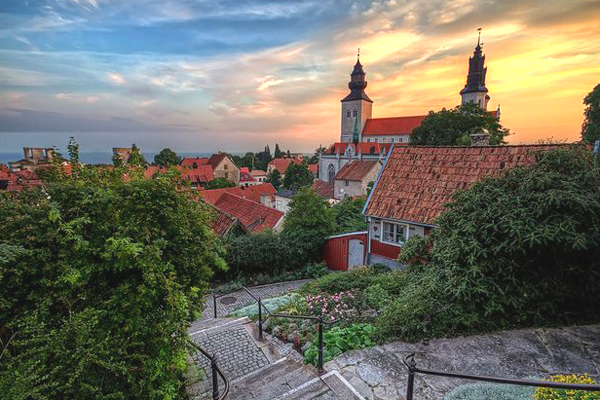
x: 98, y: 280
x: 519, y: 249
x: 339, y: 340
x: 256, y: 253
x: 543, y: 393
x: 491, y: 391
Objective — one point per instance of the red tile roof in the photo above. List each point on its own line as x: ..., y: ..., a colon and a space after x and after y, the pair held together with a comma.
x: 258, y: 172
x: 356, y: 170
x: 254, y: 216
x: 189, y: 161
x: 392, y: 126
x: 202, y: 174
x: 417, y: 181
x: 216, y: 159
x: 224, y: 222
x: 314, y: 169
x: 246, y: 177
x: 323, y: 189
x: 244, y: 170
x: 252, y: 193
x: 282, y: 164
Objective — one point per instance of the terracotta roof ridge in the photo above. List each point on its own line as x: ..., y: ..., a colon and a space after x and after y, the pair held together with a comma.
x: 492, y: 146
x: 403, y: 116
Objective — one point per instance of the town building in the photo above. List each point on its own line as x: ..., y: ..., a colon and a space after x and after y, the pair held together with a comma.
x: 33, y: 157
x: 324, y: 190
x: 282, y: 164
x: 122, y: 153
x: 254, y: 216
x: 283, y: 198
x: 259, y: 175
x: 354, y: 178
x: 263, y: 194
x: 416, y: 182
x: 224, y: 167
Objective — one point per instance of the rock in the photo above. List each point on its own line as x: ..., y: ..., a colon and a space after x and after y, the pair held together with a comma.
x: 370, y: 374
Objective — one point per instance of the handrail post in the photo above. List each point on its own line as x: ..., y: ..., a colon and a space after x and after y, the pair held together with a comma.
x: 214, y: 304
x: 215, y: 378
x: 260, y: 327
x: 411, y: 364
x: 320, y: 355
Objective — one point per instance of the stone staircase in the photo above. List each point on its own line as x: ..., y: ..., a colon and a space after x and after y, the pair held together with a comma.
x: 255, y: 368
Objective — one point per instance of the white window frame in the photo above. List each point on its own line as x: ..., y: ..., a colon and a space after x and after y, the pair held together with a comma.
x: 395, y: 233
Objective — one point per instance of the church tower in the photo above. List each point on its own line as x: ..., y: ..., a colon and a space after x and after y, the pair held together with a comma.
x: 357, y: 106
x: 475, y: 90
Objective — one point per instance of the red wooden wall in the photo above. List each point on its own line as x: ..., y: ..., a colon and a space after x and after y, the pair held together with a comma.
x: 336, y: 250
x: 384, y: 249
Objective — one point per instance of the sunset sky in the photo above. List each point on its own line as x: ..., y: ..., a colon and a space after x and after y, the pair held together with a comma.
x: 234, y: 75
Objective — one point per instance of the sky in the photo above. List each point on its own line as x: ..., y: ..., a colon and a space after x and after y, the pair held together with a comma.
x: 235, y: 75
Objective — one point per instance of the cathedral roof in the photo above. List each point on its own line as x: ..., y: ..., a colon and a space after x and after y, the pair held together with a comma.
x: 392, y: 126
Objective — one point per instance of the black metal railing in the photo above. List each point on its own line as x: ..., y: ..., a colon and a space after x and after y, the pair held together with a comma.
x: 215, y: 372
x: 411, y: 364
x: 261, y: 306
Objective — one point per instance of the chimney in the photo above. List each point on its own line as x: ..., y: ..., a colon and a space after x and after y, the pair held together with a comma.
x: 480, y: 138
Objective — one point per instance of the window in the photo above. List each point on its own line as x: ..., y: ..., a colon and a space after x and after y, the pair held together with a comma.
x: 195, y: 165
x: 368, y: 140
x: 376, y: 140
x: 394, y: 233
x: 348, y: 113
x: 346, y: 183
x: 354, y: 113
x: 225, y: 166
x: 330, y: 173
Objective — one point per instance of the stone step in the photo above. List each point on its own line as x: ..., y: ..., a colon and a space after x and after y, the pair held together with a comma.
x: 215, y: 324
x: 272, y: 381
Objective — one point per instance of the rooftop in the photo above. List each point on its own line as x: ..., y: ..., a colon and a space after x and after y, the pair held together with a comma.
x: 254, y: 216
x: 417, y: 181
x: 356, y: 170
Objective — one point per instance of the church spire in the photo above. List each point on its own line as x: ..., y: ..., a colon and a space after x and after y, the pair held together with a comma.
x: 475, y: 90
x: 357, y: 82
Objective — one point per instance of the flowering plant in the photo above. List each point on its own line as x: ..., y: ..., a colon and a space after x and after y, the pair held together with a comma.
x: 330, y: 307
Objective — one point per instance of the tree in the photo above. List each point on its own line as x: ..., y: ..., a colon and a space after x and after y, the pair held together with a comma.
x: 278, y: 153
x: 135, y: 157
x: 274, y: 178
x: 297, y: 176
x: 518, y: 249
x: 263, y: 159
x: 349, y: 216
x: 99, y: 280
x: 306, y: 225
x: 220, y: 183
x: 590, y: 130
x: 453, y: 127
x: 315, y: 157
x: 166, y: 158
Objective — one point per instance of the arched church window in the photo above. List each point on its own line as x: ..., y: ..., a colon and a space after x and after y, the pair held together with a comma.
x: 331, y: 172
x: 348, y: 114
x: 354, y: 113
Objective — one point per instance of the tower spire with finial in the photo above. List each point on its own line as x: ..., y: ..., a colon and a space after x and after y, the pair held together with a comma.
x: 475, y: 90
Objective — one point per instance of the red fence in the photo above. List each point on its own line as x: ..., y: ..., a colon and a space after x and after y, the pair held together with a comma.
x: 337, y: 248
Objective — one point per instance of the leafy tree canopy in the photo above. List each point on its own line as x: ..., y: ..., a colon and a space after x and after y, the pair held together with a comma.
x: 297, y: 176
x: 590, y: 131
x: 135, y: 157
x: 315, y: 157
x: 278, y: 153
x: 453, y: 127
x: 307, y: 224
x: 349, y: 216
x: 99, y: 279
x: 220, y: 183
x: 274, y: 178
x: 166, y: 158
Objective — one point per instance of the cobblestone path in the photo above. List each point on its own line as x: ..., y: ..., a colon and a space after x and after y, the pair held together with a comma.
x: 236, y: 352
x: 232, y: 301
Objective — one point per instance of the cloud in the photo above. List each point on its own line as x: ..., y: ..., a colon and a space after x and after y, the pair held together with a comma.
x: 267, y: 82
x: 117, y: 78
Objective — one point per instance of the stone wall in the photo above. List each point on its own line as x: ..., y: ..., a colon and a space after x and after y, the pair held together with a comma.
x: 378, y: 372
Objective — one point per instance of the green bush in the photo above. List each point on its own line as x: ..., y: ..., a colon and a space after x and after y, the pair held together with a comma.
x: 490, y: 391
x: 339, y: 340
x: 256, y: 253
x: 98, y: 281
x: 377, y: 297
x: 335, y: 282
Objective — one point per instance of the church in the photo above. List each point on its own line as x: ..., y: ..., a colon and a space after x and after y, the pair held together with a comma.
x: 364, y: 138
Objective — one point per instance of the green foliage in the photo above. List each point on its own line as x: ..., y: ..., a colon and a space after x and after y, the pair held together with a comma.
x: 416, y: 250
x: 377, y: 297
x: 135, y: 157
x: 297, y: 176
x: 272, y: 304
x: 263, y: 159
x: 339, y: 340
x: 590, y: 130
x: 453, y: 127
x: 495, y: 391
x: 315, y: 157
x: 257, y: 252
x: 335, y: 282
x: 307, y: 224
x: 349, y: 216
x: 166, y: 158
x: 543, y: 393
x: 516, y: 250
x: 278, y: 153
x: 98, y: 278
x: 274, y: 178
x: 220, y: 183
